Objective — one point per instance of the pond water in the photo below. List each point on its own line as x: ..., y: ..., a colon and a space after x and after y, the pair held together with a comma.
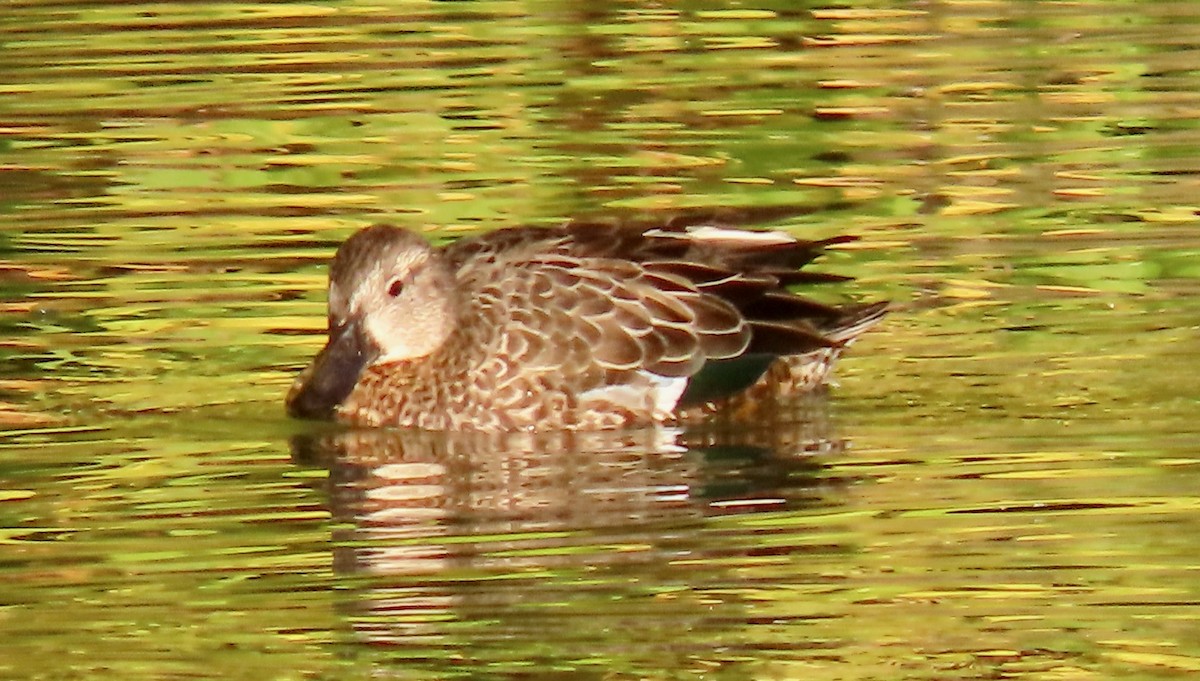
x: 1004, y: 484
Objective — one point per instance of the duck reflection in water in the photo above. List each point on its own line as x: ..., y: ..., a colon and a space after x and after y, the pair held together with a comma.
x: 441, y: 531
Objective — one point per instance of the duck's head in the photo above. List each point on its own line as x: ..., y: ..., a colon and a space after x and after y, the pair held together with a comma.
x: 391, y: 299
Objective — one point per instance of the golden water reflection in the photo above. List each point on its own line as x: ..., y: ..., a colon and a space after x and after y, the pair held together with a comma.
x: 1009, y: 488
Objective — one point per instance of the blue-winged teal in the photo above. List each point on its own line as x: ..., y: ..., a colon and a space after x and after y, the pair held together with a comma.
x: 582, y: 326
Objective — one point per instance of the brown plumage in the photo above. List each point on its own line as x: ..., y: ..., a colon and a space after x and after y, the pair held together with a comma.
x: 583, y: 326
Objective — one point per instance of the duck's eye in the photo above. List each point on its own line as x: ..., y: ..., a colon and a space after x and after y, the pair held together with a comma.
x: 396, y: 287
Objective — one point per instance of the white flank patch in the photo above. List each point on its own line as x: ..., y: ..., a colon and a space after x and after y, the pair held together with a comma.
x: 663, y: 391
x: 666, y: 392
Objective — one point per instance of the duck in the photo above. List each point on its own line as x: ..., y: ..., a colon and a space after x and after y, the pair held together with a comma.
x: 581, y: 326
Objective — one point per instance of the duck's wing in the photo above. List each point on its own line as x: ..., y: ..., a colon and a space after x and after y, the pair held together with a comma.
x: 604, y: 318
x: 658, y: 301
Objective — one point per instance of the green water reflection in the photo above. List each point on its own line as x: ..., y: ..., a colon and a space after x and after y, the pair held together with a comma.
x: 1003, y: 485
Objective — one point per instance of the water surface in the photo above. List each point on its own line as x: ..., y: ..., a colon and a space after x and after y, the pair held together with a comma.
x: 1003, y: 484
